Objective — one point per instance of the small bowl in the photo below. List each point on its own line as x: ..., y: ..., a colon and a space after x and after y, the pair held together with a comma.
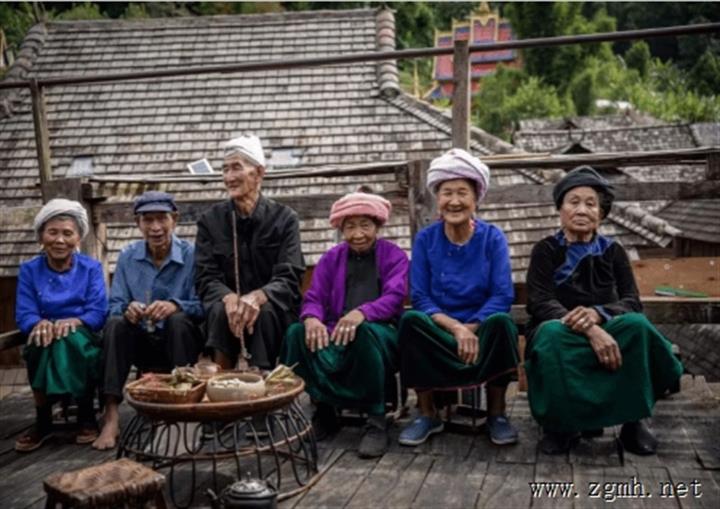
x: 252, y: 387
x: 206, y: 368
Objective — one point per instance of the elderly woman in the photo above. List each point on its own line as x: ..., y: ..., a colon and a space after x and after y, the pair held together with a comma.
x: 346, y: 346
x: 593, y: 359
x: 459, y: 333
x: 61, y: 301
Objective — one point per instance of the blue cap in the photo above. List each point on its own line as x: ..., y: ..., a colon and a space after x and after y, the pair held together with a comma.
x: 154, y: 201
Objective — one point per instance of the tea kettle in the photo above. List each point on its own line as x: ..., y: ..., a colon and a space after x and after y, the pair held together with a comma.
x: 245, y: 494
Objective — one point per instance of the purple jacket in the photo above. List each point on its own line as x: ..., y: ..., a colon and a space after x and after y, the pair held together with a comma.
x: 325, y: 299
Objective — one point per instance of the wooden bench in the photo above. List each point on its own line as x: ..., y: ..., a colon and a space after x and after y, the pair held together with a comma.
x: 118, y: 483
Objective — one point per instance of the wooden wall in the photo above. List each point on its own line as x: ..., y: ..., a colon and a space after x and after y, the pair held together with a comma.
x: 7, y: 319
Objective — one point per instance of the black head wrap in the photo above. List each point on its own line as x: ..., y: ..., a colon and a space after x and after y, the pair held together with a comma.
x: 585, y: 176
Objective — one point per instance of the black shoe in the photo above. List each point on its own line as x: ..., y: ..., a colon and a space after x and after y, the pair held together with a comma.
x: 592, y: 433
x: 374, y: 442
x: 325, y: 421
x: 555, y: 442
x: 637, y: 438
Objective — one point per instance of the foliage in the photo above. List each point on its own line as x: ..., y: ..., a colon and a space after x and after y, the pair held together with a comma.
x: 705, y: 75
x: 15, y: 20
x: 509, y: 96
x: 86, y: 10
x: 638, y: 58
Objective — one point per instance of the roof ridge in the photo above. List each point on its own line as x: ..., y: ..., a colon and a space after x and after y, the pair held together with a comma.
x: 387, y: 70
x: 11, y: 99
x: 615, y: 128
x: 185, y: 20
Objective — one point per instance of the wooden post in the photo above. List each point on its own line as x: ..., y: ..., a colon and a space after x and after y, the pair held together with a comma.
x: 420, y: 200
x: 461, y: 96
x: 712, y: 168
x: 42, y: 136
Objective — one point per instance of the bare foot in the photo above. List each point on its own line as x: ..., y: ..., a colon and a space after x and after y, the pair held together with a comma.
x: 108, y: 436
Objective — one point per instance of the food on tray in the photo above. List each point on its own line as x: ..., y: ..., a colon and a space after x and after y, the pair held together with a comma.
x: 182, y: 386
x: 235, y: 387
x: 282, y: 374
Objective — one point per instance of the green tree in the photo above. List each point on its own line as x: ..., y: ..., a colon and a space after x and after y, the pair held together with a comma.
x: 638, y: 58
x: 704, y: 77
x: 86, y: 10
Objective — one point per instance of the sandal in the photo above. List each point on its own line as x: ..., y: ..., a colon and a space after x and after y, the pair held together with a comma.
x: 87, y: 434
x: 32, y: 440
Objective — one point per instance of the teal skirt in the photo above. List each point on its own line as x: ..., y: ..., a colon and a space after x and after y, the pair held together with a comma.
x: 430, y: 354
x: 570, y: 391
x: 69, y: 365
x: 352, y: 376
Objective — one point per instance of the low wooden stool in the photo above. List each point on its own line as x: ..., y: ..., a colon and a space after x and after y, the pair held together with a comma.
x: 114, y: 484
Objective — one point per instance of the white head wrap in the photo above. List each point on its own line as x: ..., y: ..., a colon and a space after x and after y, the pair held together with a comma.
x: 61, y: 207
x: 459, y: 164
x: 248, y: 146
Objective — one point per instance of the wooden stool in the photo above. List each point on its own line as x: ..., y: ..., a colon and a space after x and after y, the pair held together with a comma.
x: 114, y: 484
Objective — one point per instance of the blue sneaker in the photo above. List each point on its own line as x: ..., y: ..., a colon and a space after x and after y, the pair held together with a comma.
x: 420, y: 430
x: 501, y: 431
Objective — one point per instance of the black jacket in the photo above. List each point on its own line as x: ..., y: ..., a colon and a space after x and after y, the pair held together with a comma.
x: 270, y: 254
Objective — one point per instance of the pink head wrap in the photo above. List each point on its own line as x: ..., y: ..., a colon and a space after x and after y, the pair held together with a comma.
x: 458, y: 164
x: 360, y: 204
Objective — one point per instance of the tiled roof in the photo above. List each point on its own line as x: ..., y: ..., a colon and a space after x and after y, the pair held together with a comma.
x: 612, y: 139
x: 698, y: 219
x: 340, y: 115
x: 620, y: 133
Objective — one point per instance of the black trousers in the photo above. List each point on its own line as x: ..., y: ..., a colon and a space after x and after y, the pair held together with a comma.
x: 178, y: 344
x: 263, y: 344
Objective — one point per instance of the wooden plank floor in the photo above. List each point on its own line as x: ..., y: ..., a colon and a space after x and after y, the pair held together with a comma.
x: 457, y: 469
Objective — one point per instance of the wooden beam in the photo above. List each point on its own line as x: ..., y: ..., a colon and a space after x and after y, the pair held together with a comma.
x: 604, y: 160
x: 461, y: 96
x: 307, y: 207
x: 42, y: 136
x: 627, y: 191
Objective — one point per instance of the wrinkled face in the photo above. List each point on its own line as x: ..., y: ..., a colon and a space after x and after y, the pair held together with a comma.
x: 157, y: 228
x: 241, y: 176
x: 580, y: 210
x: 456, y: 201
x: 60, y: 238
x: 359, y: 232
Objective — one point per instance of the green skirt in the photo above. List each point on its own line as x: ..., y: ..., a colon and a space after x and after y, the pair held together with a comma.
x: 68, y: 366
x: 352, y: 376
x: 429, y: 354
x: 570, y: 391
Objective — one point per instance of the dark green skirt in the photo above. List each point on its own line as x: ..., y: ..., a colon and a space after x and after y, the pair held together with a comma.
x: 570, y: 391
x: 429, y: 358
x: 68, y: 366
x: 352, y: 376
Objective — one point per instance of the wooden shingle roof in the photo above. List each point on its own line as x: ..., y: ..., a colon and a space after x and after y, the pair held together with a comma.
x: 341, y: 116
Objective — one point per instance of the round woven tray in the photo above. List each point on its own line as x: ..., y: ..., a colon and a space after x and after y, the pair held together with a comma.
x: 207, y: 411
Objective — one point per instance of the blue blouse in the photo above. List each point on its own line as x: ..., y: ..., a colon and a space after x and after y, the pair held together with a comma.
x: 468, y: 282
x: 43, y: 293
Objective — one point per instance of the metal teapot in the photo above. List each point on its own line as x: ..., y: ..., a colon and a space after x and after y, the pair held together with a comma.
x: 247, y: 493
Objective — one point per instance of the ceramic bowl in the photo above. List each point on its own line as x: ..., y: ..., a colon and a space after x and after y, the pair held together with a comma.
x: 249, y: 386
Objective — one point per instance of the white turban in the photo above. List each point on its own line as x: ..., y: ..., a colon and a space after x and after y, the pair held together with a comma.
x: 459, y: 164
x: 61, y: 207
x: 247, y: 146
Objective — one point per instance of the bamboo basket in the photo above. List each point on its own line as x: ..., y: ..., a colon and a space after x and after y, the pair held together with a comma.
x: 139, y: 392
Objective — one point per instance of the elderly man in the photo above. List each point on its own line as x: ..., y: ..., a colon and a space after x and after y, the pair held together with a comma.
x: 248, y: 263
x: 154, y: 309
